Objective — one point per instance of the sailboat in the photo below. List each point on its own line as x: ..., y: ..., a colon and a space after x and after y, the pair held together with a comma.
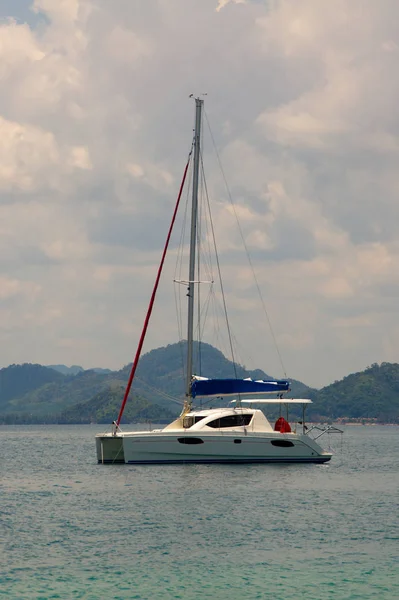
x: 238, y: 433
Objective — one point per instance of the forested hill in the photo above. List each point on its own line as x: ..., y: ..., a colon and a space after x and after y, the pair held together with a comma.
x: 104, y: 407
x: 164, y: 369
x: 17, y: 380
x: 74, y: 369
x: 369, y: 394
x: 35, y: 394
x: 96, y: 394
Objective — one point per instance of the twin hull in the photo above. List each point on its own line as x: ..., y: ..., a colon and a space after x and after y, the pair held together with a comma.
x: 180, y: 447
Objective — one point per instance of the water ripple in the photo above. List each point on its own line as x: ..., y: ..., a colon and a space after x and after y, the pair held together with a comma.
x: 73, y: 529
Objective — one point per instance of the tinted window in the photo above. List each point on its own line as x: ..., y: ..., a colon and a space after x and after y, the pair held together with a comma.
x: 190, y: 440
x: 231, y: 421
x: 282, y: 443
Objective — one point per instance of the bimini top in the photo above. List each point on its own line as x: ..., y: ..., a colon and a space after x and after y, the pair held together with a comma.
x: 202, y: 386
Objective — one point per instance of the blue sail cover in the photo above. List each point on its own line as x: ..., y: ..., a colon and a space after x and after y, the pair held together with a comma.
x: 231, y: 387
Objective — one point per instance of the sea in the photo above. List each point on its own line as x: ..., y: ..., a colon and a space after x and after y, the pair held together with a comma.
x: 71, y: 528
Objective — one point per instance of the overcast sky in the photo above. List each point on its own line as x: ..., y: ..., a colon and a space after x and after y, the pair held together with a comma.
x: 95, y: 125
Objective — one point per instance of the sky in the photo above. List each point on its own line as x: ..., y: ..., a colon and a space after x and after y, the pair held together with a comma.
x: 95, y: 126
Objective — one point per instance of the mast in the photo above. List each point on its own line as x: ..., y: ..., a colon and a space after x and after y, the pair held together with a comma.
x: 193, y: 240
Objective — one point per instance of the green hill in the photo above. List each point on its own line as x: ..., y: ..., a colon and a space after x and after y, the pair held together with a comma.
x: 56, y: 396
x: 104, y: 408
x: 164, y: 369
x: 34, y: 394
x: 159, y: 380
x: 369, y: 394
x: 75, y: 369
x: 17, y: 380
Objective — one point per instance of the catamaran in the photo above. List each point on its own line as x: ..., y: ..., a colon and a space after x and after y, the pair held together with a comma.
x: 238, y: 433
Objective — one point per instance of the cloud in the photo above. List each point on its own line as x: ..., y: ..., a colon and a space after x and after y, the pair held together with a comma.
x: 25, y: 152
x: 95, y: 127
x: 224, y: 3
x: 10, y: 288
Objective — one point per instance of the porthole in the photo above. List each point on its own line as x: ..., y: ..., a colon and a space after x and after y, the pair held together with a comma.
x: 282, y: 443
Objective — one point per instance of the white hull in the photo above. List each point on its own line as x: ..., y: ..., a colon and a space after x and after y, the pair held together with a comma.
x: 233, y: 447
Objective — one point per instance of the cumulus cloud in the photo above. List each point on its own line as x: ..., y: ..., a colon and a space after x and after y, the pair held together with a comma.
x: 95, y: 126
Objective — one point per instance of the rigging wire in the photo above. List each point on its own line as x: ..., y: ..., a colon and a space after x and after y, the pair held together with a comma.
x: 246, y: 247
x: 204, y: 313
x: 218, y: 268
x: 159, y: 392
x: 152, y: 300
x: 178, y: 271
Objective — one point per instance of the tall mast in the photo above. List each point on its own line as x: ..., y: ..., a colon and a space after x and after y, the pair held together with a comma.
x: 193, y: 240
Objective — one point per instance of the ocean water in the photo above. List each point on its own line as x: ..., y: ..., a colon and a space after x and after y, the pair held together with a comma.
x: 70, y: 528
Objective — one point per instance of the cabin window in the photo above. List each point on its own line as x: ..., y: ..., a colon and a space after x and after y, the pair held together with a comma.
x: 190, y: 421
x: 190, y: 440
x: 237, y: 441
x: 230, y: 421
x: 282, y: 443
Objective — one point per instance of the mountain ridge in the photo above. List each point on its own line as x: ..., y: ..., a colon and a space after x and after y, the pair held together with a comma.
x: 36, y: 393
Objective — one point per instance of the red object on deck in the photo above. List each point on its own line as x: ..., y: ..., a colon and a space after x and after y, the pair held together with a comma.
x: 282, y: 425
x: 149, y: 311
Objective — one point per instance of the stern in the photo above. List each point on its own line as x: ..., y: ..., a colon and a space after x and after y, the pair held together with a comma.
x: 110, y: 449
